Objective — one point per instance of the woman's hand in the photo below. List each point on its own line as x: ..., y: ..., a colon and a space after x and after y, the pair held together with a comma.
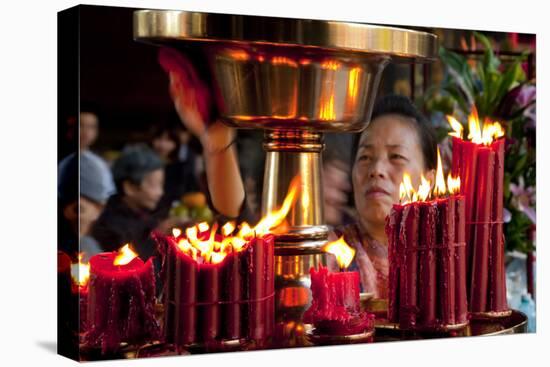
x: 193, y: 101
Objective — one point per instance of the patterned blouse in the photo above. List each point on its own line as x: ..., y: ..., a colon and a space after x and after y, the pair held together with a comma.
x: 371, y: 259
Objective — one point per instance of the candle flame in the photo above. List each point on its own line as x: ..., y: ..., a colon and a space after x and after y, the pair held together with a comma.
x: 203, y: 227
x: 125, y: 255
x: 80, y: 272
x: 275, y: 218
x: 453, y: 184
x: 424, y: 188
x: 479, y: 133
x: 440, y: 188
x: 343, y: 252
x: 176, y: 232
x: 228, y: 228
x: 456, y: 126
x: 214, y: 249
x: 407, y: 193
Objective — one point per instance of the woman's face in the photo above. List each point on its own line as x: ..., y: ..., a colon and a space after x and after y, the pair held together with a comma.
x: 389, y: 147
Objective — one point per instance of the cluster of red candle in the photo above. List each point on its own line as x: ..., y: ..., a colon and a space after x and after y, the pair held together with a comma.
x: 480, y: 161
x: 427, y: 256
x: 335, y: 307
x: 221, y: 286
x: 121, y: 300
x: 217, y: 287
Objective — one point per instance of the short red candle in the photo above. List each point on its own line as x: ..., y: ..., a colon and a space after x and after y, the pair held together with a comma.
x: 121, y: 302
x: 335, y: 308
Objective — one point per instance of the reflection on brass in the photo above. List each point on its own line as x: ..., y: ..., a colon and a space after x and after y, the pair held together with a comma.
x: 327, y: 339
x: 292, y: 280
x: 515, y: 323
x: 490, y: 314
x: 170, y: 25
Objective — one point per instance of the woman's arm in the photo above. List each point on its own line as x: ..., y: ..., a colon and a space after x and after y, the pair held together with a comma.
x: 222, y: 170
x: 192, y: 101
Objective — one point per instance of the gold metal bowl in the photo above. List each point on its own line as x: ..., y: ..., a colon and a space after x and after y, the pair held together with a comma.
x: 279, y: 73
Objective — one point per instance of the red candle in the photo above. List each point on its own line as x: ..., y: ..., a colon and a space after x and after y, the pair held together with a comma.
x: 80, y: 274
x: 431, y: 268
x: 217, y: 287
x: 232, y: 291
x: 480, y: 250
x: 121, y: 301
x: 255, y: 257
x: 269, y: 280
x: 468, y: 175
x: 446, y: 254
x: 484, y: 212
x: 461, y: 310
x: 497, y: 272
x: 408, y: 275
x: 180, y: 294
x: 428, y: 265
x: 335, y: 308
x: 209, y: 297
x: 335, y: 305
x: 393, y: 226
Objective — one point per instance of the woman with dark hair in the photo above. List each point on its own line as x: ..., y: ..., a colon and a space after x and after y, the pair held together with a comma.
x: 397, y: 140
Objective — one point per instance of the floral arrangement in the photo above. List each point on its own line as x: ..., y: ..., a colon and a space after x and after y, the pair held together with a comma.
x: 499, y: 91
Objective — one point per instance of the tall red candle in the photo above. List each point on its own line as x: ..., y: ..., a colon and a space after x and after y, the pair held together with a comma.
x: 484, y: 212
x: 180, y: 295
x: 408, y: 274
x: 480, y: 250
x: 393, y: 226
x: 461, y: 306
x: 232, y: 292
x: 446, y: 254
x: 428, y: 265
x: 497, y: 281
x: 269, y: 280
x: 256, y: 288
x: 208, y: 296
x: 121, y: 302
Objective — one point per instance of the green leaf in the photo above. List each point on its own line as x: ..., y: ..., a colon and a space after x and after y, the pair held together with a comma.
x: 459, y: 69
x: 490, y: 61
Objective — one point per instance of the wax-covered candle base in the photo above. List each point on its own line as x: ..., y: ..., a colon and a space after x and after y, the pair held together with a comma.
x: 335, y: 307
x: 121, y: 303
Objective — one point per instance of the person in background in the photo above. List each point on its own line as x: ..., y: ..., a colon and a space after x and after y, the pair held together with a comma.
x: 171, y: 143
x: 129, y: 216
x: 88, y: 133
x: 81, y: 208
